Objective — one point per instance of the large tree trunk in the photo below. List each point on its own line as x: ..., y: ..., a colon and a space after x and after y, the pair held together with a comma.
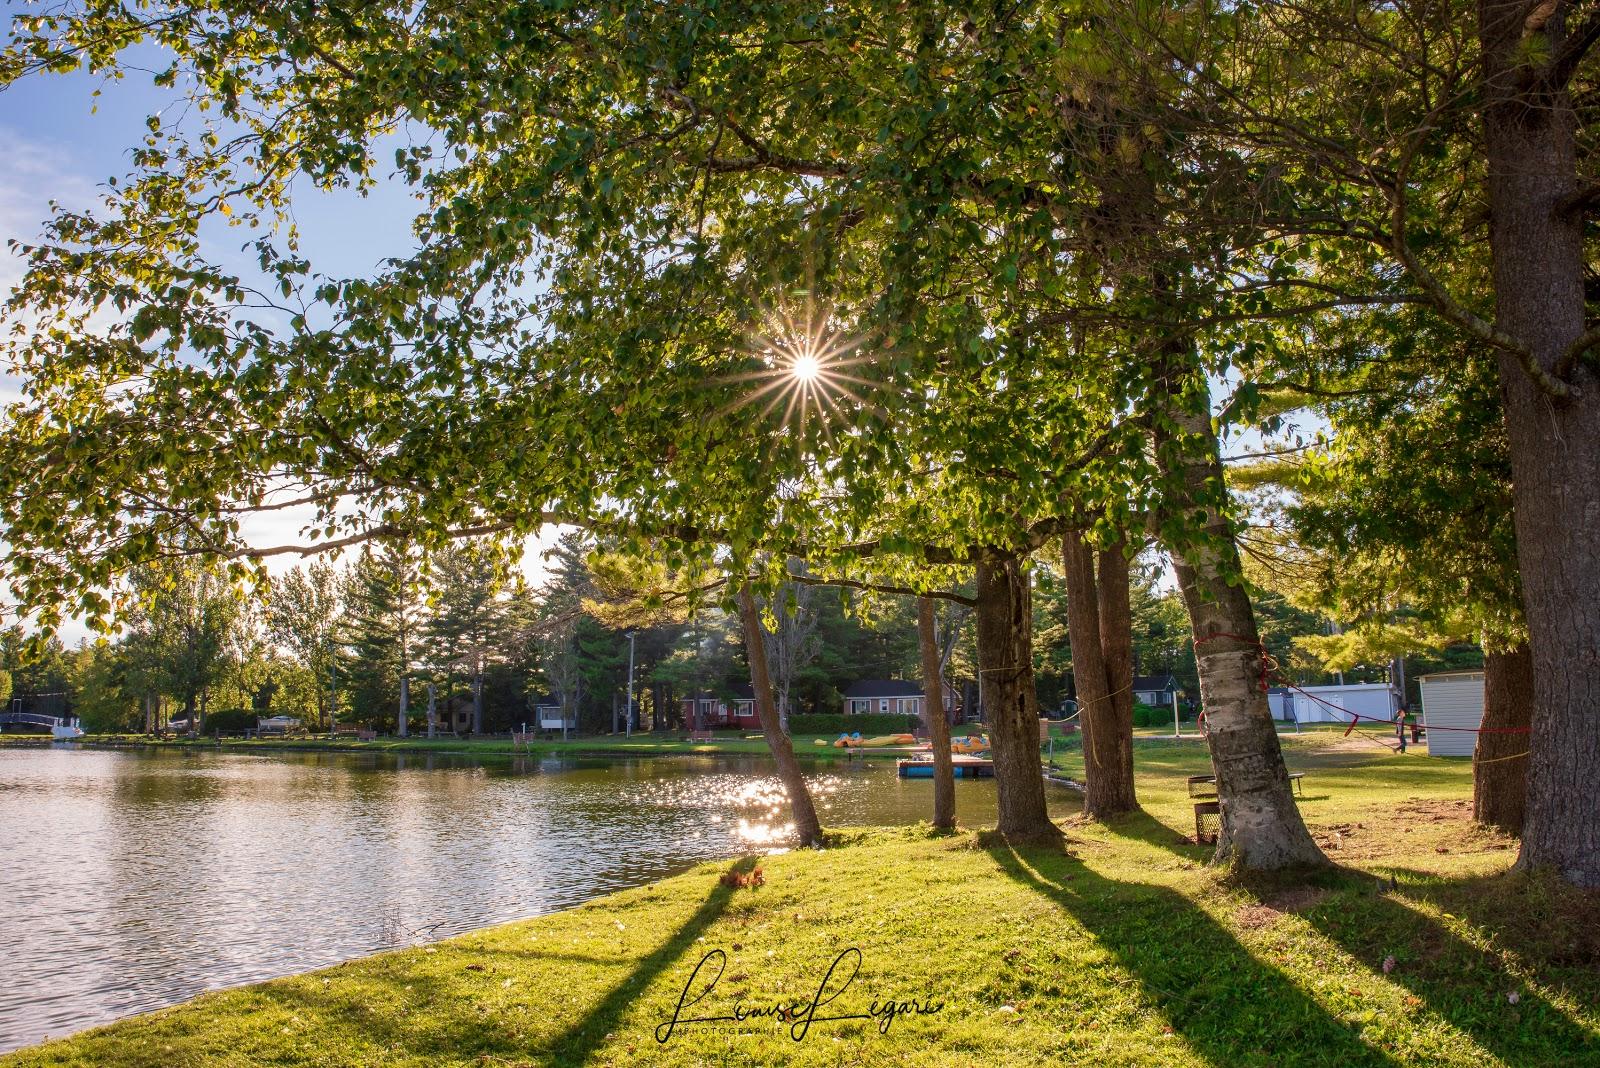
x: 1116, y: 645
x: 1500, y: 761
x: 405, y: 702
x: 944, y: 776
x: 1005, y: 657
x: 1107, y: 735
x: 806, y: 825
x: 1538, y: 260
x: 1261, y: 827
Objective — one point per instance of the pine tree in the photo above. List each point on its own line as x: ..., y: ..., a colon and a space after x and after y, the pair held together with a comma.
x: 384, y: 620
x: 467, y: 628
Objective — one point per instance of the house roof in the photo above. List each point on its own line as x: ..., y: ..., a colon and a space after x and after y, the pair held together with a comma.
x: 1154, y: 682
x: 883, y: 688
x: 741, y: 691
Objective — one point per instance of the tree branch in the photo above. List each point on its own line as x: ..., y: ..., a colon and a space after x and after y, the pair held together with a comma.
x: 1579, y: 40
x: 875, y: 587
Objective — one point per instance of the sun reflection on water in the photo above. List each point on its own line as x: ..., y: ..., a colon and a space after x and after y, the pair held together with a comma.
x: 755, y: 807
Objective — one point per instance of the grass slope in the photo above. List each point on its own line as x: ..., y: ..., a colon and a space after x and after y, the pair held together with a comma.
x: 1125, y: 950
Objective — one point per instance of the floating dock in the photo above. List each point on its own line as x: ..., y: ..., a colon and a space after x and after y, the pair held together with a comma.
x: 962, y: 766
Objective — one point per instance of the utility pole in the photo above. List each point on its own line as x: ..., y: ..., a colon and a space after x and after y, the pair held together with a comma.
x: 630, y: 683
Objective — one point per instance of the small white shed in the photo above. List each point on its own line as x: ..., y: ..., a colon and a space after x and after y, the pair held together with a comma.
x: 1324, y: 704
x: 1452, y: 699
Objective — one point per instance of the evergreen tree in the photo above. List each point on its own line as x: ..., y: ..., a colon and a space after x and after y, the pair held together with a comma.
x: 384, y: 621
x: 466, y: 631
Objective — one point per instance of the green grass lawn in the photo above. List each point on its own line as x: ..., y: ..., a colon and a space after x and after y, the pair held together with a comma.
x: 1125, y: 949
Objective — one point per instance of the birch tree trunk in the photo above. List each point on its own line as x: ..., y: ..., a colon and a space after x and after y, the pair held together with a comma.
x: 1261, y: 827
x: 944, y: 778
x: 806, y: 825
x: 1005, y: 657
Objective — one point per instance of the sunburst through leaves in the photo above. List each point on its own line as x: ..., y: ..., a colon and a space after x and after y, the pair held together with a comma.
x: 807, y: 374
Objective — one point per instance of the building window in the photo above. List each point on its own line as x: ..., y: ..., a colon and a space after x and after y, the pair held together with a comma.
x: 883, y: 705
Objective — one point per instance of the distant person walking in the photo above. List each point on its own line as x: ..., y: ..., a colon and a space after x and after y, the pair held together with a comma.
x: 1400, y: 729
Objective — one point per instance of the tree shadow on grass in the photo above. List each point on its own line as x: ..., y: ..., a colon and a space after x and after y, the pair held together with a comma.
x: 584, y: 1035
x: 423, y: 1031
x: 1530, y: 925
x: 1229, y: 1007
x: 1143, y: 827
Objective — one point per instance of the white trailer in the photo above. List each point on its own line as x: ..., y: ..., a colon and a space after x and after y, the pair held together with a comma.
x: 1329, y: 704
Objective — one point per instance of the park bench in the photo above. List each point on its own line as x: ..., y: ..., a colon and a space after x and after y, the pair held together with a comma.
x: 1206, y: 785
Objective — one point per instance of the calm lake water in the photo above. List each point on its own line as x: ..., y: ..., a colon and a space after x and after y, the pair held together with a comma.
x: 135, y: 879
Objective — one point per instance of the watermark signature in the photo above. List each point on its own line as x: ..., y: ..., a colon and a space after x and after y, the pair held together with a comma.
x: 799, y: 1015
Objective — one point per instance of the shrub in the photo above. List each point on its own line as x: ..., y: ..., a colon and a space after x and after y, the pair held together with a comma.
x: 1150, y: 715
x: 866, y: 723
x: 231, y: 719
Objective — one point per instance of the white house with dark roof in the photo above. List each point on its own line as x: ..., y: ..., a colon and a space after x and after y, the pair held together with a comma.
x: 1157, y: 690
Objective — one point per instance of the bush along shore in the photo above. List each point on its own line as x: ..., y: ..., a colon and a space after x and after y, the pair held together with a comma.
x: 906, y: 947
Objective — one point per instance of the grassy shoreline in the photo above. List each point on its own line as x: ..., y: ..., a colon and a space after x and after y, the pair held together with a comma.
x: 594, y: 745
x: 1126, y: 949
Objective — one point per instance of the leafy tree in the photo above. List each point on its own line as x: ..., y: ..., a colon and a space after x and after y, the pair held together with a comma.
x: 1407, y: 518
x: 306, y: 618
x: 35, y: 665
x: 1410, y: 125
x: 103, y: 700
x: 791, y: 638
x: 187, y: 621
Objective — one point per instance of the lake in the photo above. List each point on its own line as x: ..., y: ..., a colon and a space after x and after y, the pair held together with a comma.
x: 135, y: 879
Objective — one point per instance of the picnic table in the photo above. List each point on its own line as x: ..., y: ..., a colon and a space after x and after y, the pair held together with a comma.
x: 1198, y: 784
